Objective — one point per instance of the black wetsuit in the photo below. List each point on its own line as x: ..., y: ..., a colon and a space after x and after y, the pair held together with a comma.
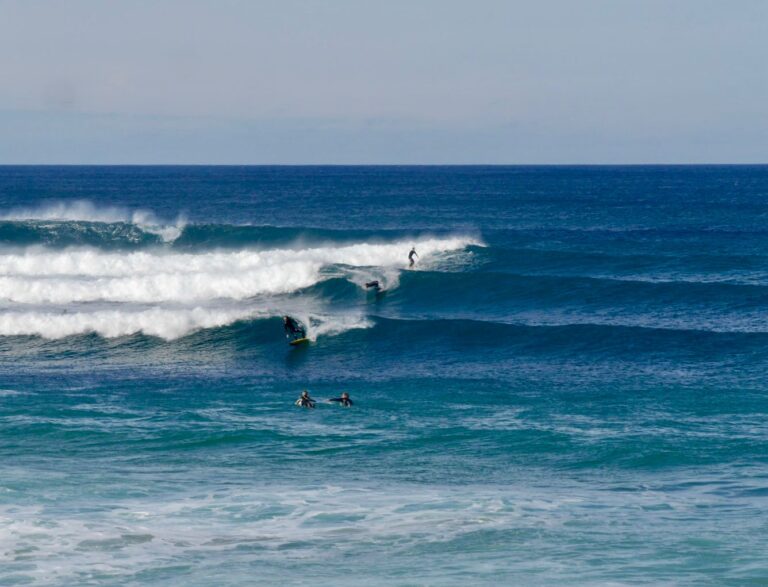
x: 305, y: 402
x: 374, y: 284
x: 411, y: 256
x: 344, y: 401
x: 293, y: 329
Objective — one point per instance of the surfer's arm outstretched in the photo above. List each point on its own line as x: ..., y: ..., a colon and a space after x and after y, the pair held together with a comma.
x: 343, y: 400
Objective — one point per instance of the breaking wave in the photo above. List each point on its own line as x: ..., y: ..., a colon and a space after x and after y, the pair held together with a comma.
x: 164, y: 291
x: 85, y: 211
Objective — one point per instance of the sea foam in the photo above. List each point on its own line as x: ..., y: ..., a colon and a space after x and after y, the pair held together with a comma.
x: 57, y: 293
x: 43, y: 276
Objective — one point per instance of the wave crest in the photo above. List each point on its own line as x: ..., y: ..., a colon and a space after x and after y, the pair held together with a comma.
x: 86, y: 211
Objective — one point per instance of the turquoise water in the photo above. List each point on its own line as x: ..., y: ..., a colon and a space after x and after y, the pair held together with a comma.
x: 568, y: 387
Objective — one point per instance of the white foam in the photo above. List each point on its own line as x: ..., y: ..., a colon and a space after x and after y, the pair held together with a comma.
x: 44, y: 276
x: 329, y: 325
x: 10, y: 392
x: 58, y: 293
x: 161, y: 322
x: 85, y: 211
x: 388, y: 277
x: 139, y: 534
x: 270, y: 530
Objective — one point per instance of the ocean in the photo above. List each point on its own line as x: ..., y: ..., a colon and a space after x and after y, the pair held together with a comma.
x: 568, y: 387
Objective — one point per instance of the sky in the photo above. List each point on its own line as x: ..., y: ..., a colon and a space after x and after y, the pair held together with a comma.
x: 387, y: 82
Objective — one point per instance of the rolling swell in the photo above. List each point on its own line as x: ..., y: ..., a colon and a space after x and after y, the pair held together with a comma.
x: 116, y: 235
x: 78, y: 269
x: 432, y: 341
x: 121, y: 278
x: 538, y: 299
x: 693, y: 266
x: 490, y: 338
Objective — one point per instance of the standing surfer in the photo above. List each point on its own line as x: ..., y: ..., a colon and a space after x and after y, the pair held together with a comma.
x: 411, y: 256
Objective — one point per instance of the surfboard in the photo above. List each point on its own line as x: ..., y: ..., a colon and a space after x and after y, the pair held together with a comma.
x: 298, y: 341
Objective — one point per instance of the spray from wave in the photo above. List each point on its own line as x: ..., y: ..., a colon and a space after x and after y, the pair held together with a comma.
x: 85, y: 211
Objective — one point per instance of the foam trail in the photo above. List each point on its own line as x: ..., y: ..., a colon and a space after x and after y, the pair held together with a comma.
x: 323, y: 325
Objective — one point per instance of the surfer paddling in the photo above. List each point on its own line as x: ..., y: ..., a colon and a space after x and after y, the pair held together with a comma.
x: 305, y: 401
x: 343, y: 401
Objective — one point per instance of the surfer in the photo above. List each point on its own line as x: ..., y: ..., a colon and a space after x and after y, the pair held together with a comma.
x: 293, y: 329
x: 373, y: 284
x: 343, y: 400
x: 305, y: 401
x: 411, y: 256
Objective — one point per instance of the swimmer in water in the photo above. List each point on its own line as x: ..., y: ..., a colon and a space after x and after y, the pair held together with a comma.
x: 305, y: 401
x: 343, y: 400
x: 411, y: 256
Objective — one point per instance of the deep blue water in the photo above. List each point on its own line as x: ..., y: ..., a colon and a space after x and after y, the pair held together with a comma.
x: 568, y: 387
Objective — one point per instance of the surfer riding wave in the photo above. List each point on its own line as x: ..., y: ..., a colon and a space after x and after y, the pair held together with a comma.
x: 293, y: 329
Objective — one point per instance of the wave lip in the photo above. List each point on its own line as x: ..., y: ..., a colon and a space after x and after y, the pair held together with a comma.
x: 86, y: 211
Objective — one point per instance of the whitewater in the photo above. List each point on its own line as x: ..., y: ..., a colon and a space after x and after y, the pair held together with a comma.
x: 568, y: 388
x: 160, y: 292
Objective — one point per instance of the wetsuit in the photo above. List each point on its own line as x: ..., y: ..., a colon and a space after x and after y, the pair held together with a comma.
x: 344, y: 401
x: 374, y: 284
x: 305, y: 402
x: 411, y: 256
x: 292, y: 328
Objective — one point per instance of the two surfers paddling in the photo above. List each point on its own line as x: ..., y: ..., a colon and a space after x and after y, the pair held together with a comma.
x: 305, y: 401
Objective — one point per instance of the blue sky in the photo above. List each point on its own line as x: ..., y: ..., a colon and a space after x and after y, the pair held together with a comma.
x: 419, y: 81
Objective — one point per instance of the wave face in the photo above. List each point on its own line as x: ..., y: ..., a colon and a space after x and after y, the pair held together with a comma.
x: 567, y: 388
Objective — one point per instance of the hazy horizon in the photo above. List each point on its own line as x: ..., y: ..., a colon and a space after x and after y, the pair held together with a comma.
x: 426, y: 83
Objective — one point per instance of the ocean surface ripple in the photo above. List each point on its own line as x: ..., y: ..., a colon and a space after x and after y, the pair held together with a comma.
x: 567, y: 388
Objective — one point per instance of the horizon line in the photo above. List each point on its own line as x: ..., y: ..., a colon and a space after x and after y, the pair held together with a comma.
x: 761, y: 164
